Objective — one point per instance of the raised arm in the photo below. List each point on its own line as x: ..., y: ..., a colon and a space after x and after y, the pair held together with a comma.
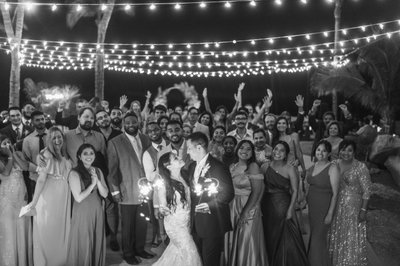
x: 312, y: 115
x: 300, y: 113
x: 206, y: 102
x: 238, y: 99
x: 146, y: 105
x: 264, y: 109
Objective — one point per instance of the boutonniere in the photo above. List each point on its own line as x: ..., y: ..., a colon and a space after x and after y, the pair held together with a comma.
x: 204, y: 170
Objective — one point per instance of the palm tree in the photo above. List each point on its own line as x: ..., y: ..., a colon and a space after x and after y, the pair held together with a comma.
x: 102, y: 18
x: 371, y: 79
x: 13, y: 28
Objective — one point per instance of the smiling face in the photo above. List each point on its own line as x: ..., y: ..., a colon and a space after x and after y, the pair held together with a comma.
x: 347, y: 153
x: 281, y: 125
x: 321, y: 153
x: 15, y: 117
x: 240, y: 120
x: 186, y: 131
x: 174, y: 133
x: 103, y: 120
x: 222, y: 112
x: 279, y: 152
x: 57, y: 140
x: 154, y: 132
x: 333, y: 130
x: 205, y: 119
x: 269, y: 122
x: 131, y: 125
x: 244, y: 151
x: 218, y: 135
x: 163, y: 124
x: 327, y: 119
x: 259, y: 140
x: 229, y: 145
x: 87, y: 156
x: 86, y: 120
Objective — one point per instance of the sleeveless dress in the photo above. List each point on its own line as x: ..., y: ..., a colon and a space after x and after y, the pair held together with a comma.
x: 246, y: 244
x: 319, y: 199
x: 15, y: 233
x: 283, y: 238
x: 181, y: 249
x: 51, y: 224
x: 87, y: 243
x: 348, y: 236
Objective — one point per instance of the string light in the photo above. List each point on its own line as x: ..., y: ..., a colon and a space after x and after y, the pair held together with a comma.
x: 228, y: 4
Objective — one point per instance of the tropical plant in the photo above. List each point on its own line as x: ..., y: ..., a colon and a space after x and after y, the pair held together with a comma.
x: 102, y: 19
x: 13, y: 28
x: 372, y: 79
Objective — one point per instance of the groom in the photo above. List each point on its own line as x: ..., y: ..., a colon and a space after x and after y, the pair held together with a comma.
x: 210, y: 215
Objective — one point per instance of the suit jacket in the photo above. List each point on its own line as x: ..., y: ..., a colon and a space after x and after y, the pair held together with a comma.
x: 207, y: 225
x: 125, y: 167
x: 10, y: 133
x: 30, y: 149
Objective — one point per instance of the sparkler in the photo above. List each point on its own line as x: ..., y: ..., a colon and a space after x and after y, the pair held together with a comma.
x: 145, y: 189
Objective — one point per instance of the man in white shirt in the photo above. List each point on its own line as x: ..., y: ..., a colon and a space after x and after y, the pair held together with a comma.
x: 241, y: 132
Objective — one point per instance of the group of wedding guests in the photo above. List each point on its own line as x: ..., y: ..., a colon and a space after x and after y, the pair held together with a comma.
x: 79, y: 182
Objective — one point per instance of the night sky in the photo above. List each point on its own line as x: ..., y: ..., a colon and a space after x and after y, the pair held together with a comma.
x: 192, y: 24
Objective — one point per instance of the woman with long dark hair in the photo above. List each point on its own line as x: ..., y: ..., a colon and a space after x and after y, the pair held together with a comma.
x: 283, y: 238
x: 246, y: 245
x: 174, y: 201
x: 87, y: 244
x: 215, y: 146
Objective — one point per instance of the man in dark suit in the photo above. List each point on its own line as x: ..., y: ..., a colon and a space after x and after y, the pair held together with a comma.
x: 124, y: 153
x: 210, y: 214
x: 16, y: 131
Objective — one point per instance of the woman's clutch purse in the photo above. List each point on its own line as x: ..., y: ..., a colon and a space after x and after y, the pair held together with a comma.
x: 27, y: 211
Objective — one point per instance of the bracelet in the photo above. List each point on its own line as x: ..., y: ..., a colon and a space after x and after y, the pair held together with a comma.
x: 363, y: 209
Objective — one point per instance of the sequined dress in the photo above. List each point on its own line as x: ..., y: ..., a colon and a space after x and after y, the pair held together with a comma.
x: 246, y: 244
x: 348, y: 236
x: 51, y: 224
x: 15, y: 233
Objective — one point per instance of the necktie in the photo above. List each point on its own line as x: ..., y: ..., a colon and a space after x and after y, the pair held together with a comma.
x: 18, y: 133
x: 41, y: 141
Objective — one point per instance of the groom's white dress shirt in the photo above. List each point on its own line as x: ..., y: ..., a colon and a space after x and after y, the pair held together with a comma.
x: 199, y: 167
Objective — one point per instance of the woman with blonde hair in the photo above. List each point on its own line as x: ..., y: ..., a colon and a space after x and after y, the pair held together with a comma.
x: 52, y: 200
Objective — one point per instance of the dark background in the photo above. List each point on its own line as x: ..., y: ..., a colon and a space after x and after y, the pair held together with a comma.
x: 192, y: 24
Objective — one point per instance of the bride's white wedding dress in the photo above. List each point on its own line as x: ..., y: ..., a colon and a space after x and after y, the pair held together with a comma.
x: 181, y: 250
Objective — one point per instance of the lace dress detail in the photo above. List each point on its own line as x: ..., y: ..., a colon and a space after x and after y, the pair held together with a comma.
x: 181, y: 249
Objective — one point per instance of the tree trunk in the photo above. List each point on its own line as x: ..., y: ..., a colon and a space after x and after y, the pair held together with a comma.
x: 337, y: 14
x: 14, y: 42
x: 101, y: 36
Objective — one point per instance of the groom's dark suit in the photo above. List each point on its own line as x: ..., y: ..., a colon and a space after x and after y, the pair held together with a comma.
x: 209, y: 229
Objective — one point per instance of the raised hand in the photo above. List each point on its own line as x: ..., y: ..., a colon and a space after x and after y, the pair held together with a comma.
x: 267, y: 102
x: 205, y: 93
x: 241, y: 86
x: 344, y: 108
x: 299, y: 101
x: 316, y: 103
x: 269, y: 93
x: 236, y: 97
x: 123, y: 100
x: 148, y: 95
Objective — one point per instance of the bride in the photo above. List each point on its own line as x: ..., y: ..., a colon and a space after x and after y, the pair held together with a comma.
x: 174, y: 196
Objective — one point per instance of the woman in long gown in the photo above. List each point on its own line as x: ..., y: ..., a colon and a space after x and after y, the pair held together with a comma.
x: 246, y: 245
x: 52, y: 200
x: 323, y: 182
x: 215, y: 146
x: 15, y: 232
x: 87, y: 244
x: 348, y: 234
x: 283, y: 238
x: 174, y: 199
